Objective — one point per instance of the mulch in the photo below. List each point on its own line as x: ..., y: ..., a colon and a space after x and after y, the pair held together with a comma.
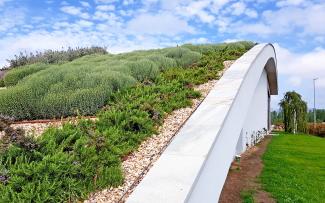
x: 243, y: 176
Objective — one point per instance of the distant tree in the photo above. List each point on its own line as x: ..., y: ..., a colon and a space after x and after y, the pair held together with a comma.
x: 320, y: 115
x: 294, y: 112
x: 276, y: 117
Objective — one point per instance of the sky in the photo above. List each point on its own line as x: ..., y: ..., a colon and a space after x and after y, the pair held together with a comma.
x: 295, y: 27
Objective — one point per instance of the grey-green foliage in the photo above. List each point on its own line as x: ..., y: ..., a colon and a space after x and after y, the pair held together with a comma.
x: 62, y: 91
x: 78, y: 87
x: 15, y: 75
x: 162, y: 62
x: 143, y: 69
x: 84, y: 85
x: 183, y: 56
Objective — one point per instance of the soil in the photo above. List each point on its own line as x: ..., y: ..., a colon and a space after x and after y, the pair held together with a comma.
x: 243, y: 176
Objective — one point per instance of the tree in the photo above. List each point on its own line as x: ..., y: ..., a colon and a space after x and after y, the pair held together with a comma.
x: 294, y: 112
x: 277, y: 117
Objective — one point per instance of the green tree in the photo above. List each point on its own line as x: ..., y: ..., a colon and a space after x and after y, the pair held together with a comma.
x: 276, y: 117
x: 294, y: 112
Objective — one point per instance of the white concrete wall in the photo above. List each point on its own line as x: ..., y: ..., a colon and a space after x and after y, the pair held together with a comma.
x: 256, y: 122
x: 195, y: 165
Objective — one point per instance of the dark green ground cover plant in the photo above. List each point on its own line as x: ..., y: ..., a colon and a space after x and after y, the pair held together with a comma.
x: 67, y: 164
x: 294, y: 168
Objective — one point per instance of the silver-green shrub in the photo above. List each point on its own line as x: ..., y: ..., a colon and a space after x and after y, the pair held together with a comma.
x: 162, y: 61
x: 183, y: 56
x: 143, y: 69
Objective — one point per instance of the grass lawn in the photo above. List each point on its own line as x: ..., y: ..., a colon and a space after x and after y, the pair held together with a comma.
x: 294, y: 168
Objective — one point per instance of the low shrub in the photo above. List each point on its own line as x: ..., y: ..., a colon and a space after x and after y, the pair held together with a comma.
x: 143, y: 69
x: 163, y: 62
x: 183, y: 56
x: 15, y: 75
x: 2, y: 83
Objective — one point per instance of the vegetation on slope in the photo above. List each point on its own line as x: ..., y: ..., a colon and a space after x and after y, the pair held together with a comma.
x: 294, y: 168
x: 82, y: 86
x: 51, y: 56
x: 69, y: 163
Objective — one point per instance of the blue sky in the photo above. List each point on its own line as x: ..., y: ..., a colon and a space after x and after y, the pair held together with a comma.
x: 296, y: 27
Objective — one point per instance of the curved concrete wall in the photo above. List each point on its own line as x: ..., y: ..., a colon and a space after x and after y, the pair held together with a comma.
x: 194, y: 166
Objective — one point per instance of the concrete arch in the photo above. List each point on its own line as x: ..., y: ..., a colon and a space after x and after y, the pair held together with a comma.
x: 194, y: 166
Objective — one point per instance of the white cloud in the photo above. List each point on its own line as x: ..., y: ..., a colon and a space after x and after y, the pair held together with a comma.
x: 2, y: 2
x: 85, y: 23
x: 76, y: 11
x: 105, y: 8
x: 161, y: 24
x: 200, y: 40
x: 282, y: 3
x: 232, y: 40
x: 308, y: 65
x: 238, y: 8
x: 198, y: 9
x: 297, y: 70
x: 256, y: 28
x: 105, y: 1
x: 305, y: 21
x: 128, y: 2
x: 251, y: 13
x: 85, y: 4
x: 217, y: 5
x: 295, y: 81
x: 10, y: 18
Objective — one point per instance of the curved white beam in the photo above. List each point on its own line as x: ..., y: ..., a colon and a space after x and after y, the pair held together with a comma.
x: 194, y: 166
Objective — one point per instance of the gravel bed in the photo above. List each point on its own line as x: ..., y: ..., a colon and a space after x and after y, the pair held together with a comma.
x: 137, y: 164
x: 36, y: 129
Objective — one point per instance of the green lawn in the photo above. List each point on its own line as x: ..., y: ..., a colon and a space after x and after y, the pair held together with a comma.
x: 294, y: 168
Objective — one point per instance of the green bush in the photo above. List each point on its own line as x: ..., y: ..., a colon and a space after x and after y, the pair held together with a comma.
x: 143, y: 69
x: 183, y: 56
x: 2, y: 83
x: 15, y: 75
x: 163, y: 62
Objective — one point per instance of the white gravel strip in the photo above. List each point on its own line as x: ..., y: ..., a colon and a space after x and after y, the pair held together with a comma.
x: 139, y: 162
x: 36, y: 129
